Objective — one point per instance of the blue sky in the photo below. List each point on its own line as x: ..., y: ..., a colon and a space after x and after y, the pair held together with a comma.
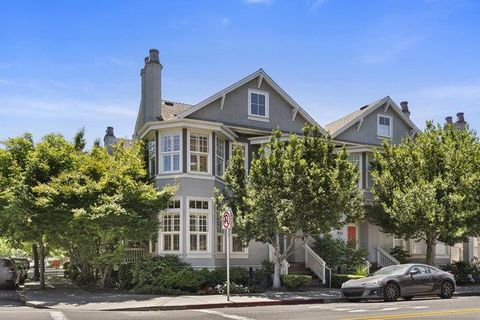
x: 66, y: 64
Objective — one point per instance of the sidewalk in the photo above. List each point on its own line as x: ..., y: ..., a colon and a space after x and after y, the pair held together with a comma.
x: 61, y: 294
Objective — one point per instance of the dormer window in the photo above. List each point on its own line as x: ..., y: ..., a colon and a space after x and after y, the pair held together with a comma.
x: 258, y: 105
x: 384, y: 126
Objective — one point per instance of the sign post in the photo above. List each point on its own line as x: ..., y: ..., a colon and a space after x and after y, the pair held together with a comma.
x: 227, y: 223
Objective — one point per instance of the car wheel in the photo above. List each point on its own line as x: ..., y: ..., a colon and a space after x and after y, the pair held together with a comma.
x: 391, y: 292
x: 446, y: 291
x: 353, y: 300
x: 407, y: 298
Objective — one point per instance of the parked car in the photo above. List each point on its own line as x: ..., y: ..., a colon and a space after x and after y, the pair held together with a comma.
x: 403, y: 280
x: 22, y: 265
x: 8, y: 273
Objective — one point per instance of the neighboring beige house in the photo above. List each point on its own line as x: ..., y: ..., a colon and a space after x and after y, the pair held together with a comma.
x: 190, y: 144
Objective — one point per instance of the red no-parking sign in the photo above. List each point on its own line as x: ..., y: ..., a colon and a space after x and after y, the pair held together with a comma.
x: 227, y: 221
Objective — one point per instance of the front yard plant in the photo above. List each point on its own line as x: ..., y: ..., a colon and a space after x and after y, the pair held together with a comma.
x: 295, y: 281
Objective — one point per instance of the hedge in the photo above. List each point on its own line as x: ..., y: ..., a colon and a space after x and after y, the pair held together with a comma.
x: 295, y: 281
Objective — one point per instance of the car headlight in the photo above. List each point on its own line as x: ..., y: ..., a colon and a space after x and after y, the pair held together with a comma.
x: 371, y: 283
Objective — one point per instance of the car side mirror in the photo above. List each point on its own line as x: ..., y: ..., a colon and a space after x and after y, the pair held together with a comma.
x: 414, y: 272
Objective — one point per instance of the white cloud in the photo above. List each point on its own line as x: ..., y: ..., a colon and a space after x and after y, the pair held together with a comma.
x: 259, y: 1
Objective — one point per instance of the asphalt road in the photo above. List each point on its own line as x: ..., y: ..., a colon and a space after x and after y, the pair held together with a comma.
x: 425, y: 308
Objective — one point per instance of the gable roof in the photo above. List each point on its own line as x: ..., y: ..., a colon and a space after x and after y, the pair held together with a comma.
x: 262, y: 76
x: 336, y: 127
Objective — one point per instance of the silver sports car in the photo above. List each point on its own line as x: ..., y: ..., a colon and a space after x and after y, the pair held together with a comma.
x: 403, y: 280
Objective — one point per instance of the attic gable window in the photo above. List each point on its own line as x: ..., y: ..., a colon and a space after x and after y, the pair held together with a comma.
x: 384, y: 126
x: 258, y: 108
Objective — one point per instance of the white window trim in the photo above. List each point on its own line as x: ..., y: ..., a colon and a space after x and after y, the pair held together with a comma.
x: 378, y: 125
x: 162, y: 171
x: 209, y: 212
x: 224, y: 155
x: 160, y: 232
x: 209, y: 157
x: 257, y: 117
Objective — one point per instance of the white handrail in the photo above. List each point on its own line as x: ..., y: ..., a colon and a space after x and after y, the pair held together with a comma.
x: 385, y: 259
x: 317, y: 265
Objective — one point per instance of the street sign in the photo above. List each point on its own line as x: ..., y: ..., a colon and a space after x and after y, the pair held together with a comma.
x: 227, y: 220
x: 227, y: 224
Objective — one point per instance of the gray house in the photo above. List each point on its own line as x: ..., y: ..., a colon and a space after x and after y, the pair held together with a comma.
x: 189, y: 145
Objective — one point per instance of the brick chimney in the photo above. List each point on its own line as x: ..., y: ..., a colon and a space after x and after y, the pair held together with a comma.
x: 404, y: 105
x: 448, y: 120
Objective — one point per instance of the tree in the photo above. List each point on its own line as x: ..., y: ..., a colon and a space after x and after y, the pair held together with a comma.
x: 427, y: 188
x: 300, y: 187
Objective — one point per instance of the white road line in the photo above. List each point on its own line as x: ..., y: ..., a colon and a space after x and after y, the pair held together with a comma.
x: 421, y: 307
x: 389, y: 309
x: 341, y: 309
x: 358, y: 310
x: 57, y: 315
x: 221, y: 314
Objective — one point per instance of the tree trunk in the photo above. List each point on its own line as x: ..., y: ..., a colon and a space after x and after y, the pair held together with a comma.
x: 276, y: 272
x: 36, y: 272
x: 431, y: 251
x: 41, y: 256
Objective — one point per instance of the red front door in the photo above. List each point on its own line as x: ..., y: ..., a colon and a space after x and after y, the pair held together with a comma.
x: 352, y: 233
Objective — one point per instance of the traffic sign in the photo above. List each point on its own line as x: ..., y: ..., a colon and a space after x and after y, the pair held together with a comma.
x: 227, y: 221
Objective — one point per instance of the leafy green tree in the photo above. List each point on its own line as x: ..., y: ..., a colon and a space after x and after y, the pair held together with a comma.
x: 295, y: 188
x: 427, y: 188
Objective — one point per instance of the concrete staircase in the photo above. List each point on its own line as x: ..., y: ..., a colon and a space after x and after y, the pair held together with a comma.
x: 299, y: 268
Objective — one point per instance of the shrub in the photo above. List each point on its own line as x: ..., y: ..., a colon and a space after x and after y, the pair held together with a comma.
x: 339, y: 255
x: 338, y: 279
x: 401, y: 255
x: 239, y: 275
x: 463, y: 271
x: 295, y: 281
x: 125, y: 276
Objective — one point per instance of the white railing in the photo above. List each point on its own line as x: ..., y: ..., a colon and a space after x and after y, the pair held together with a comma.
x: 366, y: 269
x: 317, y: 265
x: 284, y: 265
x: 134, y: 254
x: 385, y: 259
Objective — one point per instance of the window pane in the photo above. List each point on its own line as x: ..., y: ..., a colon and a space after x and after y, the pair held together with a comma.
x: 167, y: 143
x: 176, y: 162
x: 203, y: 242
x: 203, y: 163
x: 193, y: 242
x: 167, y: 242
x: 261, y: 100
x: 176, y: 142
x: 204, y: 204
x: 254, y: 109
x: 176, y: 222
x: 193, y: 142
x: 220, y: 243
x: 236, y: 245
x: 203, y: 144
x: 193, y: 163
x: 176, y: 242
x: 193, y: 223
x: 254, y: 98
x: 191, y: 204
x: 167, y: 163
x: 261, y: 110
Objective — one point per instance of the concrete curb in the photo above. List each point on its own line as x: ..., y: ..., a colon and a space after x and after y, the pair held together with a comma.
x: 231, y: 305
x: 467, y: 294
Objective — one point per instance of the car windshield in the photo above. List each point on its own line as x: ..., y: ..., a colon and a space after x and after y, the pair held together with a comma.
x: 392, y: 270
